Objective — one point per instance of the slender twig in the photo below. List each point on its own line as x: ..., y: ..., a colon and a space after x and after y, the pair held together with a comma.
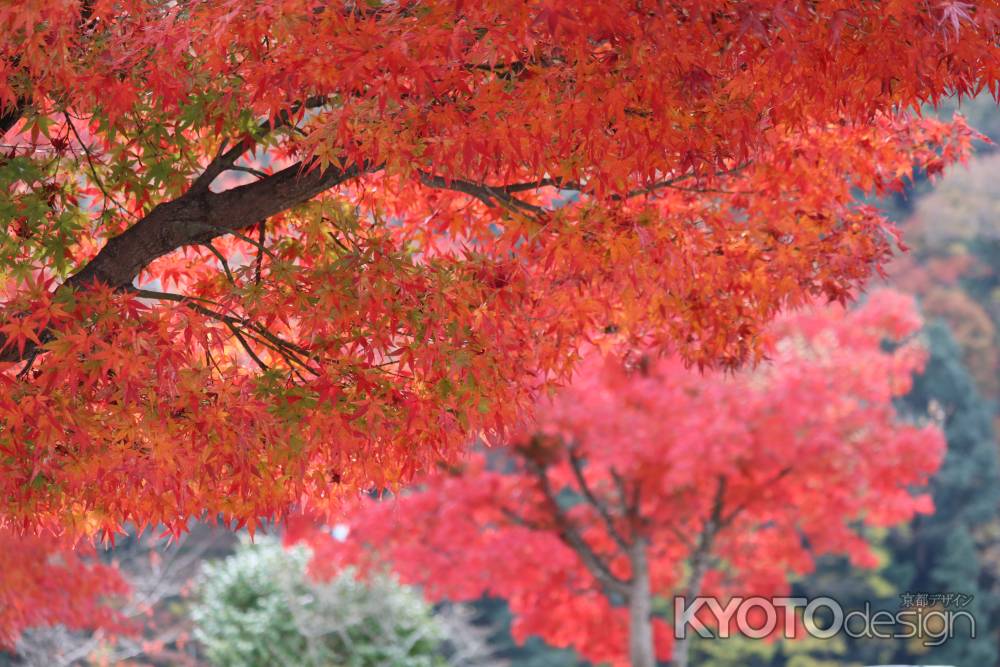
x: 486, y: 194
x: 246, y: 346
x: 93, y: 168
x: 222, y: 260
x: 23, y: 373
x: 577, y: 186
x: 249, y: 170
x: 243, y: 237
x: 286, y: 349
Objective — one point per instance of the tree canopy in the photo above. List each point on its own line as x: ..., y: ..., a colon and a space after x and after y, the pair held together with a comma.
x: 265, y: 253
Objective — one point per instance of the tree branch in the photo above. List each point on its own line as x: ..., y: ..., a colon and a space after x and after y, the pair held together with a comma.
x: 261, y: 231
x: 577, y: 186
x: 699, y: 559
x: 486, y: 194
x: 570, y: 536
x: 225, y: 159
x: 241, y: 328
x: 223, y: 261
x: 195, y: 218
x: 93, y: 167
x: 10, y: 117
x: 576, y: 465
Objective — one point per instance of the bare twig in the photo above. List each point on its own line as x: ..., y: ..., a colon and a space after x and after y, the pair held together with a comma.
x: 222, y: 260
x: 93, y: 167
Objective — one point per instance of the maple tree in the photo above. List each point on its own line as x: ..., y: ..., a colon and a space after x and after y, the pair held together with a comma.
x: 260, y: 253
x: 645, y: 480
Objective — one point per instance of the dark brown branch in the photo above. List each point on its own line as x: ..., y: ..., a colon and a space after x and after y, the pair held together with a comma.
x: 249, y: 170
x: 711, y: 528
x: 701, y: 556
x: 225, y: 159
x: 486, y: 194
x: 576, y: 465
x: 223, y: 261
x: 243, y: 237
x: 261, y: 231
x: 593, y: 564
x: 699, y: 562
x: 91, y: 164
x: 540, y: 183
x: 196, y: 218
x: 580, y: 187
x: 246, y: 346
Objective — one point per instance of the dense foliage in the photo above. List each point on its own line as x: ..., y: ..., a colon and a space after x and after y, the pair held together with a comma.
x: 261, y: 255
x: 257, y: 253
x: 258, y: 608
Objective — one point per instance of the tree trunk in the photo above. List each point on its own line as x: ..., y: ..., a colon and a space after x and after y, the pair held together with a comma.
x: 641, y: 651
x: 699, y: 565
x: 679, y: 657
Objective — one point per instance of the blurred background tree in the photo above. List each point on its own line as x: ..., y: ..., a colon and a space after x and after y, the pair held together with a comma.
x: 952, y: 230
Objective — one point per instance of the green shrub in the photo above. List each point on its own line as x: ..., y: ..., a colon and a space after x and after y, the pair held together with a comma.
x: 258, y: 607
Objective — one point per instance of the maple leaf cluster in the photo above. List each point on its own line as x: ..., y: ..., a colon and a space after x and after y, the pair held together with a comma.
x: 261, y: 254
x: 729, y: 482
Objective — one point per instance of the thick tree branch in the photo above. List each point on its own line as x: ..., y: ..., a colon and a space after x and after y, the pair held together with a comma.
x: 225, y: 159
x: 706, y: 540
x: 196, y: 218
x: 699, y: 562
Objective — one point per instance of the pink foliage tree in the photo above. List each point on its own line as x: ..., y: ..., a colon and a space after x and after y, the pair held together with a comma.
x: 645, y: 479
